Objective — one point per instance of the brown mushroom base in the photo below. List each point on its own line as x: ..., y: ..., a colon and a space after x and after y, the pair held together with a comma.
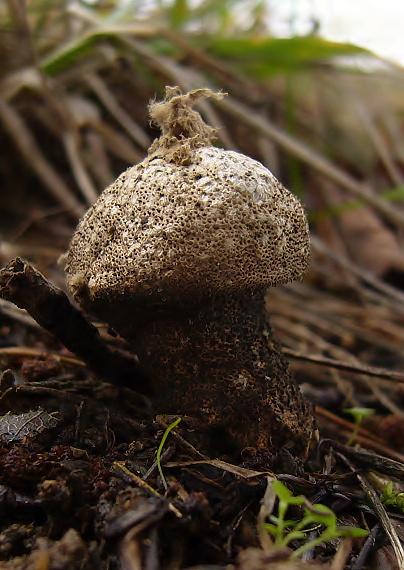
x: 222, y: 365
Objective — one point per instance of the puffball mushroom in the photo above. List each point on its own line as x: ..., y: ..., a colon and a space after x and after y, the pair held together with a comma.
x: 176, y: 255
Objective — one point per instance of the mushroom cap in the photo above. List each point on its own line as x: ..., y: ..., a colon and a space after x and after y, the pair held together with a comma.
x: 222, y: 223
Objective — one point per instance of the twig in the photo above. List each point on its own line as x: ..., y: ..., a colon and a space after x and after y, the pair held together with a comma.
x: 26, y: 351
x: 367, y: 459
x: 49, y: 306
x: 122, y: 471
x: 367, y: 547
x: 380, y: 511
x: 381, y: 373
x: 162, y: 422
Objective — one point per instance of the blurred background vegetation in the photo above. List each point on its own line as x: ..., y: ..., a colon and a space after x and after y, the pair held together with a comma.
x: 326, y: 118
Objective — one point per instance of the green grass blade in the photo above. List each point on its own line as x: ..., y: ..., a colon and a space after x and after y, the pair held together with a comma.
x: 160, y: 449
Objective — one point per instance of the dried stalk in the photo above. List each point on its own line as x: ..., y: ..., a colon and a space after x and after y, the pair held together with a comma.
x: 380, y: 511
x: 83, y: 180
x: 25, y: 142
x: 120, y: 115
x: 373, y: 371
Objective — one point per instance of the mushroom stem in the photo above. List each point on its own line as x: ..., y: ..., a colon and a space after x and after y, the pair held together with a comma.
x: 220, y: 362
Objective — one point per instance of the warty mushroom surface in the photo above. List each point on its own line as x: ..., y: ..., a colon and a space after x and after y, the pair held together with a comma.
x: 176, y: 255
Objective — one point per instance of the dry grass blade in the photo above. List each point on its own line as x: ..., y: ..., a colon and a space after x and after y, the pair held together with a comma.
x: 308, y: 156
x: 375, y: 137
x: 366, y: 276
x: 358, y: 368
x: 226, y: 76
x: 31, y: 152
x: 97, y: 159
x: 211, y: 116
x: 381, y: 513
x: 188, y: 79
x: 118, y: 143
x: 371, y: 442
x: 381, y: 396
x: 242, y: 472
x: 105, y: 95
x: 341, y: 556
x: 79, y: 170
x: 267, y: 507
x: 15, y: 82
x: 26, y: 351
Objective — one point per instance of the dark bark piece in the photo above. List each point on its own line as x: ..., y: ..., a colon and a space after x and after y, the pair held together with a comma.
x: 27, y: 288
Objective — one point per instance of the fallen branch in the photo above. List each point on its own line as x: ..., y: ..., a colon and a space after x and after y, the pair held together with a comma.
x: 27, y: 288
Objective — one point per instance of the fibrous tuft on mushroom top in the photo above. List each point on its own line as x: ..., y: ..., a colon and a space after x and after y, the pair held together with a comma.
x: 219, y: 222
x: 176, y: 256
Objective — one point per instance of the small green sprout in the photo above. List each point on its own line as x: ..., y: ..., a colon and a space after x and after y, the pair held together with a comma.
x: 314, y: 516
x: 160, y: 449
x: 358, y: 414
x: 390, y: 497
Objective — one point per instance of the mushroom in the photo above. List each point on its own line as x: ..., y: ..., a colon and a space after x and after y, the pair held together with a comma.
x: 176, y: 255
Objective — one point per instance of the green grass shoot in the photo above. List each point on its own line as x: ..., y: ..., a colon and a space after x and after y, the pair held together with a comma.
x: 160, y: 449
